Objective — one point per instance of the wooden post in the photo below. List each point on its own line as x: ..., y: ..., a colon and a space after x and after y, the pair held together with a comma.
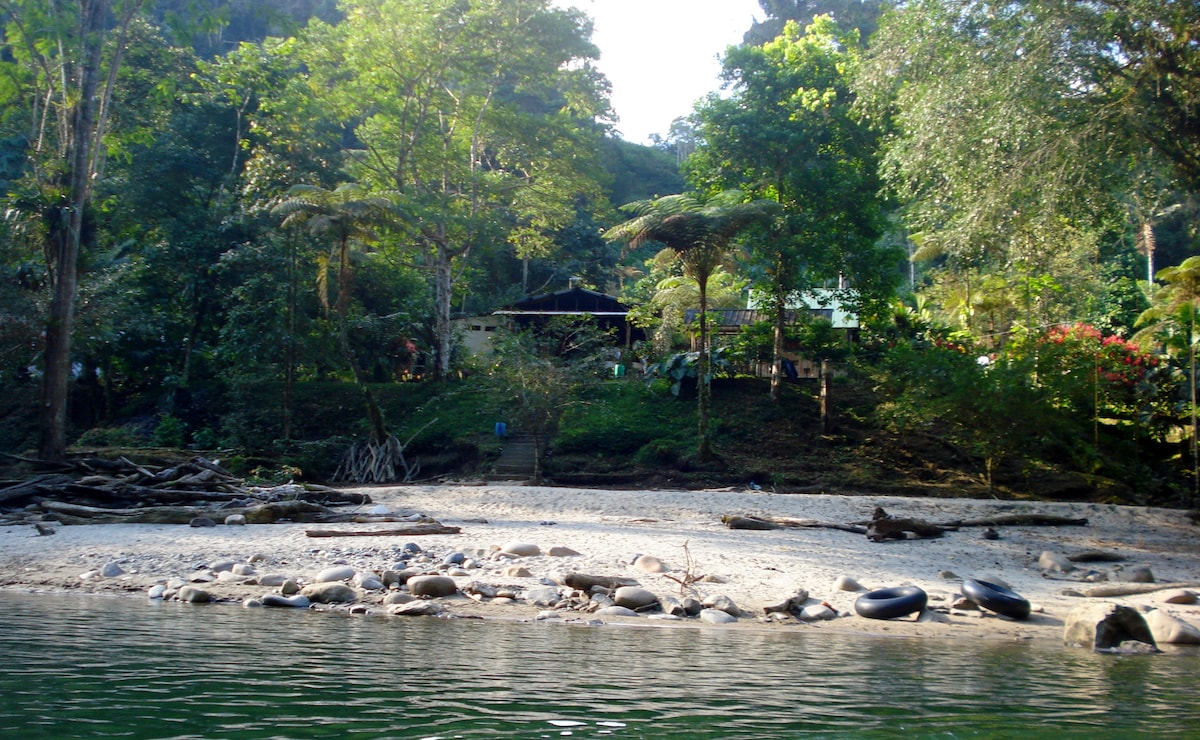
x: 825, y: 396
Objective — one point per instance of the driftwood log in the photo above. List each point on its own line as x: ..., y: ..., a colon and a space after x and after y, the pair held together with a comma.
x: 898, y: 528
x: 414, y: 530
x: 1096, y: 556
x: 297, y: 511
x: 104, y: 491
x: 766, y: 523
x: 883, y: 526
x: 585, y: 583
x: 39, y: 485
x: 879, y: 529
x: 1017, y: 520
x: 1109, y: 590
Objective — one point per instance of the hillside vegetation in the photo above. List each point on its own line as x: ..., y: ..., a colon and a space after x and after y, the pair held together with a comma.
x: 621, y: 433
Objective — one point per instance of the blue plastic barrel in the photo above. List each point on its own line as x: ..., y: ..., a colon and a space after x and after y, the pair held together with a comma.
x: 501, y: 429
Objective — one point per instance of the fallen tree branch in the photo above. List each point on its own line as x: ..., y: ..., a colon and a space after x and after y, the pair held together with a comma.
x: 79, y: 514
x: 814, y: 488
x: 1132, y: 589
x: 689, y: 577
x: 585, y: 583
x: 766, y: 523
x: 380, y: 462
x: 33, y: 486
x: 1017, y: 520
x: 261, y: 514
x: 884, y: 526
x: 1096, y: 556
x: 416, y: 529
x: 892, y: 528
x: 199, y: 483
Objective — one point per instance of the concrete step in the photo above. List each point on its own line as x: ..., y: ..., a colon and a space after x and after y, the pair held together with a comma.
x: 517, y: 458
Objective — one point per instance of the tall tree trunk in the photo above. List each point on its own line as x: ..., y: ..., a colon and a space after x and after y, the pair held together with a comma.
x: 777, y: 348
x: 825, y: 397
x: 65, y: 232
x: 443, y: 290
x: 703, y: 389
x: 1192, y: 384
x: 289, y: 358
x: 52, y: 421
x: 374, y: 413
x: 1150, y: 244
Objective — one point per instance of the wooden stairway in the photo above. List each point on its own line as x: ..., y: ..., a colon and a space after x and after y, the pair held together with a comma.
x: 517, y: 458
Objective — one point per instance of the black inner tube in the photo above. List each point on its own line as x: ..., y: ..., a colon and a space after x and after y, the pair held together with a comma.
x: 996, y: 598
x: 890, y: 603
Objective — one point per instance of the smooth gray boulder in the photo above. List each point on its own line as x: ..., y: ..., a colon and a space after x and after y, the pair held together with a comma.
x: 521, y: 549
x: 649, y: 564
x: 543, y: 596
x: 432, y: 586
x: 724, y: 603
x: 293, y: 602
x: 1171, y: 630
x: 336, y: 573
x: 1054, y: 561
x: 633, y: 597
x: 1139, y: 574
x: 416, y: 609
x: 1104, y: 626
x: 193, y: 595
x: 1177, y: 596
x: 847, y: 583
x: 330, y: 593
x: 817, y: 612
x: 716, y: 616
x: 616, y: 611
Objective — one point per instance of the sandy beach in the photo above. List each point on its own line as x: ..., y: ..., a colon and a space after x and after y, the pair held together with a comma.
x: 609, y: 529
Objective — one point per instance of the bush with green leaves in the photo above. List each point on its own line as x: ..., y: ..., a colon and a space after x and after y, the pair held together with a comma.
x: 988, y: 410
x: 539, y: 373
x: 752, y: 344
x: 1090, y: 373
x: 819, y: 340
x: 617, y: 418
x: 170, y: 431
x: 127, y: 436
x: 682, y: 369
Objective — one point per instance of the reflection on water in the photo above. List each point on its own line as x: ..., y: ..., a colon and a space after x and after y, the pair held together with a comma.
x: 107, y: 667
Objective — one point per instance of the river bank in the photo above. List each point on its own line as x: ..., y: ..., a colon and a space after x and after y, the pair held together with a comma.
x: 602, y: 533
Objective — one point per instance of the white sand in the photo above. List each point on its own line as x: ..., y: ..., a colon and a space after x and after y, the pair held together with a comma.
x: 610, y: 528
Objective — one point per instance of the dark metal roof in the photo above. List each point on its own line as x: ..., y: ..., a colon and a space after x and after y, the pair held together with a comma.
x: 748, y: 316
x: 570, y: 301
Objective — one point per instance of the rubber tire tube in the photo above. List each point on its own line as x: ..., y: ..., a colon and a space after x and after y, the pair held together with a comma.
x: 889, y: 603
x: 996, y: 598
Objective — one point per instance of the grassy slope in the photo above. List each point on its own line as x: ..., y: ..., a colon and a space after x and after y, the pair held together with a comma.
x: 624, y: 434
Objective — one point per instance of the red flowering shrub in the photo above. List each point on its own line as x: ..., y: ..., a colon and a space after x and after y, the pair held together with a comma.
x: 1120, y: 361
x: 1083, y: 366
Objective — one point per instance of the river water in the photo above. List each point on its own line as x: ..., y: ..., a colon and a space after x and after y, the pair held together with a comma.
x: 90, y: 666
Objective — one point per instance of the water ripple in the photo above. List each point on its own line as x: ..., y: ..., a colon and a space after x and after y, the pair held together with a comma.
x: 96, y: 667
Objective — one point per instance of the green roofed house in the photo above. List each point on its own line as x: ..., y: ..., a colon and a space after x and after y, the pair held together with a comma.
x: 817, y: 303
x: 535, y: 311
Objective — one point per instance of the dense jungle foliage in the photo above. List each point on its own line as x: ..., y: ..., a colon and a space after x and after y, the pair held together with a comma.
x: 251, y: 227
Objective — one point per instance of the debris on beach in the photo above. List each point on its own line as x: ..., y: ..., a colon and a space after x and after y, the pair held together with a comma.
x: 884, y: 526
x: 97, y: 490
